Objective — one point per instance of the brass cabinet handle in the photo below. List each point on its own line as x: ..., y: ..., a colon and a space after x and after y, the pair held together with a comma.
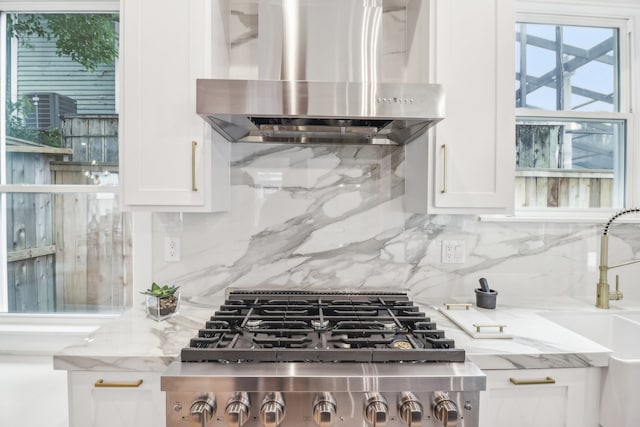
x: 458, y: 305
x: 102, y: 383
x: 547, y: 380
x: 499, y: 326
x: 444, y: 168
x: 193, y: 166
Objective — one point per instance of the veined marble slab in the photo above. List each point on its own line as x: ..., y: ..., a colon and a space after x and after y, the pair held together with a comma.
x: 535, y: 343
x: 135, y: 342
x: 489, y: 325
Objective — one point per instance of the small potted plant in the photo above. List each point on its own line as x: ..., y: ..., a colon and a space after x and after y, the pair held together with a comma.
x: 162, y: 301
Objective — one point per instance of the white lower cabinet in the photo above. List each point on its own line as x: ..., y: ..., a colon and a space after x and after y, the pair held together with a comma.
x: 111, y: 398
x: 541, y: 397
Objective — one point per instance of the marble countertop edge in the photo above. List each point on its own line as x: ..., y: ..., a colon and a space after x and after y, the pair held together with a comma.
x: 133, y: 342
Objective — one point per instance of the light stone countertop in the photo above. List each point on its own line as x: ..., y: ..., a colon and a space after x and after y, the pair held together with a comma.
x: 137, y: 343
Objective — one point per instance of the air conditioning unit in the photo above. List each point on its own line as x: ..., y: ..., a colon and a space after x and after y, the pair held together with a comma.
x: 47, y: 109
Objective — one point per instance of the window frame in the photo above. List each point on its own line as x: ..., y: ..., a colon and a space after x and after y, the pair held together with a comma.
x: 44, y: 6
x: 625, y: 103
x: 625, y: 15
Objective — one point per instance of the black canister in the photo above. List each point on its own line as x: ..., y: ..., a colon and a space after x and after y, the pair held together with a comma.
x: 485, y: 297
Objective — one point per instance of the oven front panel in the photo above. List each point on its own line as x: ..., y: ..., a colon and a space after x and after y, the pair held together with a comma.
x: 299, y: 408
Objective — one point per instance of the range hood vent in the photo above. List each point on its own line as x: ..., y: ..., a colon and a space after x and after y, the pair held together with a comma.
x: 322, y: 66
x: 305, y: 112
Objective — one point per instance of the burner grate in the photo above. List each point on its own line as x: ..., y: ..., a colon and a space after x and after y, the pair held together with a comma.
x: 320, y: 326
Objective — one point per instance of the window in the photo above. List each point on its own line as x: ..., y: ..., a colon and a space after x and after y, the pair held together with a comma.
x: 68, y: 246
x: 572, y: 112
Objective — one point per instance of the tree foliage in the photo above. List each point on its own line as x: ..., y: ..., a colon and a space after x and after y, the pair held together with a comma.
x: 89, y: 39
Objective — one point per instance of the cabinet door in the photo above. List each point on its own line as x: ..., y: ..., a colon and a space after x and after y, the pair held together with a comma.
x: 474, y: 146
x: 571, y: 400
x: 124, y: 402
x: 167, y: 152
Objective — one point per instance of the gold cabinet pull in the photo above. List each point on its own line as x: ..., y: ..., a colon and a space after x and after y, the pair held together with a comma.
x: 102, y: 383
x: 499, y: 326
x: 193, y: 166
x: 457, y: 305
x: 547, y: 380
x: 444, y: 168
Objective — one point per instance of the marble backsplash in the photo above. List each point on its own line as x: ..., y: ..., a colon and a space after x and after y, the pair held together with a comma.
x: 333, y: 217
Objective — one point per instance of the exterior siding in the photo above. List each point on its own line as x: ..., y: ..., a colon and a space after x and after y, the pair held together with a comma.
x: 40, y: 69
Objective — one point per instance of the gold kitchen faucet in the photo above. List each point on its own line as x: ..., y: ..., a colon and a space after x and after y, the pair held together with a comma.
x: 604, y: 293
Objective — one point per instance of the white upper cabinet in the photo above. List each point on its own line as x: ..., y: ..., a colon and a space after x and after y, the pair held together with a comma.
x: 467, y: 165
x: 170, y: 160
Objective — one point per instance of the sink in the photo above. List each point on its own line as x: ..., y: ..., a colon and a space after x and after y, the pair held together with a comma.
x: 619, y: 332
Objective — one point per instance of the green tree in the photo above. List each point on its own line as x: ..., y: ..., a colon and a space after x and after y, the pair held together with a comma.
x: 89, y: 39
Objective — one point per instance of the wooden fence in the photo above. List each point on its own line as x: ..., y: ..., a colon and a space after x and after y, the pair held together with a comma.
x: 93, y: 138
x: 67, y: 252
x: 30, y: 242
x: 93, y: 252
x: 563, y: 188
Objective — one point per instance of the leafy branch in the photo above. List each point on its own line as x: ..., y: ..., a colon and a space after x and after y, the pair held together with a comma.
x: 90, y: 40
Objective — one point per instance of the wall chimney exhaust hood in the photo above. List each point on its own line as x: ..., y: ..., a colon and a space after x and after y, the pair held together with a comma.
x: 302, y: 112
x: 321, y: 79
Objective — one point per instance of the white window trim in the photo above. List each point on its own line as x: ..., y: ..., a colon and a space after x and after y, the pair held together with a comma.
x: 623, y: 14
x: 38, y: 323
x: 59, y: 6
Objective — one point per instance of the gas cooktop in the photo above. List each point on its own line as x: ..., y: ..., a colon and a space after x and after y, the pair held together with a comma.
x: 307, y: 326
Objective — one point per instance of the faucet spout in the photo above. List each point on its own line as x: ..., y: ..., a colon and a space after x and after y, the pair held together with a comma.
x: 604, y: 293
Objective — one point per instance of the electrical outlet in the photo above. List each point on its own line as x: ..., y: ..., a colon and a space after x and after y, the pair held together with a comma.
x: 453, y: 252
x: 171, y: 249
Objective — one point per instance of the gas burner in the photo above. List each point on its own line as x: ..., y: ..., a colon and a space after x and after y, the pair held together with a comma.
x: 319, y: 325
x: 253, y: 324
x: 290, y: 326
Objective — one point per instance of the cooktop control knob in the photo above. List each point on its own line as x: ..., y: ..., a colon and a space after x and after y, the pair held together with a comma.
x: 273, y: 409
x: 324, y: 409
x: 410, y: 409
x: 203, y: 409
x: 376, y: 410
x: 237, y: 410
x: 444, y: 409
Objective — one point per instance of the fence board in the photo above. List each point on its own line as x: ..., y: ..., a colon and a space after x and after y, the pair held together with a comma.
x: 93, y: 138
x: 606, y: 192
x: 43, y: 281
x: 541, y: 191
x: 78, y: 233
x: 584, y: 189
x: 520, y: 188
x: 26, y: 288
x: 23, y: 254
x: 564, y: 188
x: 553, y: 188
x: 531, y: 192
x: 594, y: 193
x: 564, y: 199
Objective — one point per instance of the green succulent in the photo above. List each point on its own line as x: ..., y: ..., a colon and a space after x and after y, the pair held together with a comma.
x: 161, y: 291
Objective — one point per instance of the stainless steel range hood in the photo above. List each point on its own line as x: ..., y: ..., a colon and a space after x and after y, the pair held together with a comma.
x: 319, y: 112
x: 320, y: 80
